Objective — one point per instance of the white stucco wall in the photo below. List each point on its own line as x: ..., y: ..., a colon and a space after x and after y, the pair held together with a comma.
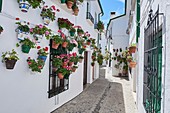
x: 164, y: 7
x: 21, y: 91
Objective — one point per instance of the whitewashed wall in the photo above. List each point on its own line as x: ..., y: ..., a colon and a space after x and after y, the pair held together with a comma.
x: 22, y: 92
x: 164, y: 7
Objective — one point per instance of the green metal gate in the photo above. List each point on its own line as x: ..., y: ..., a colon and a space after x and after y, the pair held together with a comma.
x: 152, y: 64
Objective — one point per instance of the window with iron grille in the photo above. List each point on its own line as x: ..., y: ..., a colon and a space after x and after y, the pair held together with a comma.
x: 56, y: 85
x: 152, y: 64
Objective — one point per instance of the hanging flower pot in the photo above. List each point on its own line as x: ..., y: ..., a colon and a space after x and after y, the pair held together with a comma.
x: 65, y: 63
x: 70, y: 63
x: 72, y: 33
x: 93, y: 57
x: 74, y: 68
x: 92, y: 64
x: 63, y: 1
x: 46, y: 20
x: 10, y: 64
x: 60, y: 75
x: 38, y: 37
x: 69, y: 4
x: 55, y: 45
x: 80, y: 60
x: 132, y: 64
x: 24, y: 5
x: 25, y: 48
x: 80, y: 34
x: 42, y: 58
x: 76, y: 11
x: 64, y: 44
x: 132, y: 49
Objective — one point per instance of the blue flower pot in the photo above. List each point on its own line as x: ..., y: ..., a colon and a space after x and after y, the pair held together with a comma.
x: 42, y: 58
x: 24, y: 6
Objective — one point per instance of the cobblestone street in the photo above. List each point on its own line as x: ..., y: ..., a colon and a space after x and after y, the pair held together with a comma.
x: 101, y: 96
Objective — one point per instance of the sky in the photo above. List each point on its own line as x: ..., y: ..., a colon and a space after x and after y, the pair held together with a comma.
x: 111, y: 5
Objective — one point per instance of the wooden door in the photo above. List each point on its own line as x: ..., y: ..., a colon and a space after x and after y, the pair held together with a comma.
x: 85, y: 67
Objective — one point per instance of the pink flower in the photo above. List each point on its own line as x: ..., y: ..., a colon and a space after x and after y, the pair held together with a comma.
x: 40, y: 26
x: 39, y: 67
x: 74, y: 54
x: 53, y: 7
x: 62, y: 35
x: 29, y: 58
x: 47, y: 33
x: 31, y: 30
x: 59, y: 31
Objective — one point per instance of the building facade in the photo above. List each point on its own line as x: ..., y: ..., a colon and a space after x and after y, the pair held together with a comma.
x: 24, y: 92
x: 150, y: 77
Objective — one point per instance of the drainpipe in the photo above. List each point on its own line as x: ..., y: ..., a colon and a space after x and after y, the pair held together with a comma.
x: 138, y: 20
x: 0, y: 5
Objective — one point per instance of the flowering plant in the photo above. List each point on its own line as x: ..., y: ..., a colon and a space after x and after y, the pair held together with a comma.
x: 100, y: 26
x: 57, y: 61
x: 57, y: 39
x: 65, y: 70
x: 49, y: 12
x: 28, y: 42
x: 64, y: 23
x: 79, y: 30
x: 22, y: 27
x: 72, y: 29
x: 43, y: 51
x: 35, y: 65
x: 41, y: 30
x: 9, y: 55
x: 36, y: 3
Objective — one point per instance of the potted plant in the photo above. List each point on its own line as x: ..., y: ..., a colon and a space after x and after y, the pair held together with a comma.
x: 65, y: 43
x: 39, y: 31
x: 24, y: 5
x: 88, y: 42
x: 72, y: 31
x: 27, y: 44
x: 1, y: 29
x: 81, y: 59
x: 10, y: 59
x: 100, y: 26
x: 100, y: 59
x: 129, y: 58
x: 132, y: 64
x: 81, y: 50
x: 35, y: 65
x: 56, y: 41
x: 132, y: 48
x: 36, y: 3
x: 42, y: 53
x: 63, y: 1
x: 75, y: 9
x: 48, y: 14
x: 92, y: 64
x: 80, y: 31
x: 22, y: 30
x: 71, y: 46
x: 74, y: 68
x: 56, y: 62
x: 70, y: 3
x: 61, y: 72
x: 64, y: 23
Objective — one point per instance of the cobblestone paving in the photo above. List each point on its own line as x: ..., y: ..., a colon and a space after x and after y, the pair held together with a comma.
x: 101, y: 96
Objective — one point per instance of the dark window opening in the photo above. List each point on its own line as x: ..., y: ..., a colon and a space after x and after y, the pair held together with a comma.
x: 152, y: 64
x: 56, y: 85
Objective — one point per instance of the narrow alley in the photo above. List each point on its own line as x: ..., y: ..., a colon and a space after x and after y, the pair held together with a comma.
x: 103, y: 96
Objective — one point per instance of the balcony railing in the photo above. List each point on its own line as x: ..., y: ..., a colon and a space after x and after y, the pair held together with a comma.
x: 90, y: 17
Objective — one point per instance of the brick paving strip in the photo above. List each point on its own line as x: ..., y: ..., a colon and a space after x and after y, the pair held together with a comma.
x: 101, y: 96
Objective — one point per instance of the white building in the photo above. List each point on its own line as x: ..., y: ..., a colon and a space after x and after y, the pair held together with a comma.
x: 151, y: 75
x: 23, y: 92
x: 117, y: 35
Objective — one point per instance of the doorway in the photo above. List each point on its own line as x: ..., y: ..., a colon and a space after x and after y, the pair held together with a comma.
x: 85, y: 68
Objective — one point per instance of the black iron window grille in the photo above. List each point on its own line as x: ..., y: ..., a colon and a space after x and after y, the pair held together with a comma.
x: 90, y: 17
x: 152, y: 64
x: 56, y: 85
